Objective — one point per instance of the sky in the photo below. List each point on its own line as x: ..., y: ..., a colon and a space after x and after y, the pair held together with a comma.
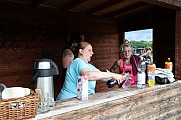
x: 139, y: 35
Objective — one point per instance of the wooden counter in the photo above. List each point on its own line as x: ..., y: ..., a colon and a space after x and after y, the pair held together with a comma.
x: 160, y: 102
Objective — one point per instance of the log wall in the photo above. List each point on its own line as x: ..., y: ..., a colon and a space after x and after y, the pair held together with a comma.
x: 160, y: 102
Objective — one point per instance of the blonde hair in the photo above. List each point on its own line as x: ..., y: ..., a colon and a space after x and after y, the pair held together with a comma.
x: 121, y: 49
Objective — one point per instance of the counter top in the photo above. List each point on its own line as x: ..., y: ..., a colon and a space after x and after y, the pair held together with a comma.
x: 69, y: 105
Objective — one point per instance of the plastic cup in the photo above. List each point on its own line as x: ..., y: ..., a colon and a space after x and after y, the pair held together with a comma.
x: 127, y: 83
x: 43, y: 106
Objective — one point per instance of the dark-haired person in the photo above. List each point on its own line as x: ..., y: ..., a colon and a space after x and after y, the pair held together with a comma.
x: 69, y: 51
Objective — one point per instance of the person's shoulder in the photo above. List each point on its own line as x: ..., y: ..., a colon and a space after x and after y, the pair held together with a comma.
x: 78, y: 60
x: 119, y: 61
x: 78, y: 63
x: 136, y: 56
x: 90, y: 64
x: 92, y: 67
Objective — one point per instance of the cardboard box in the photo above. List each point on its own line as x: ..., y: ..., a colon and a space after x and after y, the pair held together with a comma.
x: 82, y: 88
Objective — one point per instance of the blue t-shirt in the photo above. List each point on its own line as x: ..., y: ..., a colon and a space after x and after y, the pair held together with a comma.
x: 69, y: 89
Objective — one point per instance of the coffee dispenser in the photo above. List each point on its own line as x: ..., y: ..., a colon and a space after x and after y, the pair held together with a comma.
x: 43, y: 71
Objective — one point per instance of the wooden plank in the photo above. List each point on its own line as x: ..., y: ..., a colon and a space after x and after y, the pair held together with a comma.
x: 172, y: 4
x: 151, y: 103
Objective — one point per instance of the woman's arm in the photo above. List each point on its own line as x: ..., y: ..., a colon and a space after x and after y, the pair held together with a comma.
x: 147, y: 54
x: 151, y: 59
x: 115, y: 66
x: 98, y: 75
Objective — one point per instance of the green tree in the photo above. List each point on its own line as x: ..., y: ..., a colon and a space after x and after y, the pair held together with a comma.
x: 141, y: 44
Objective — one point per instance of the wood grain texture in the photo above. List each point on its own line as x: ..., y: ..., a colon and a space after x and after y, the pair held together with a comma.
x: 151, y: 103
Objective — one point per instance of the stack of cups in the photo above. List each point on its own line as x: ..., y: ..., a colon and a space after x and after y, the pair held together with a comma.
x: 15, y: 92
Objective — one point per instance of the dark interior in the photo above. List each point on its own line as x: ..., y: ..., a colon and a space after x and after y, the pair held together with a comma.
x: 33, y: 29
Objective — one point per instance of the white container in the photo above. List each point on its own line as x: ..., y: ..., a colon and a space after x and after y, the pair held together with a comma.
x: 141, y: 79
x: 15, y: 92
x: 82, y: 88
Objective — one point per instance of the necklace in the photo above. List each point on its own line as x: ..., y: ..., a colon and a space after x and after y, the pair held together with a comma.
x: 127, y: 63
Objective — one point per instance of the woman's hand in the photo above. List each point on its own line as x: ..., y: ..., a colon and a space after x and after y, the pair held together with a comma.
x: 118, y: 77
x: 148, y: 50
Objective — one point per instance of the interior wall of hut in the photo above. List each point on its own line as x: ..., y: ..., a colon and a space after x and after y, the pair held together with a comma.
x: 29, y: 35
x: 25, y: 38
x: 162, y: 21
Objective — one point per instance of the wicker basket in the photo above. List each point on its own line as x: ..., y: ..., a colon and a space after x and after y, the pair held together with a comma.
x: 19, y: 108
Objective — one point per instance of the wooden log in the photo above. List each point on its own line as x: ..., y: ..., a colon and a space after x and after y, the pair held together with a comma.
x: 158, y: 103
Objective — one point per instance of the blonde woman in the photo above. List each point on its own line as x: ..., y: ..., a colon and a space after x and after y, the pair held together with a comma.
x: 128, y: 61
x: 80, y: 67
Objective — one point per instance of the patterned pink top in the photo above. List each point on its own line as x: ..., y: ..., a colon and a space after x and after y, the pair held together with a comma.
x: 125, y: 69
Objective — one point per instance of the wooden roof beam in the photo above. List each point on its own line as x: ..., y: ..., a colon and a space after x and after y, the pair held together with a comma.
x: 35, y: 3
x: 171, y: 4
x: 126, y: 9
x: 73, y: 4
x: 103, y: 6
x: 135, y: 11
